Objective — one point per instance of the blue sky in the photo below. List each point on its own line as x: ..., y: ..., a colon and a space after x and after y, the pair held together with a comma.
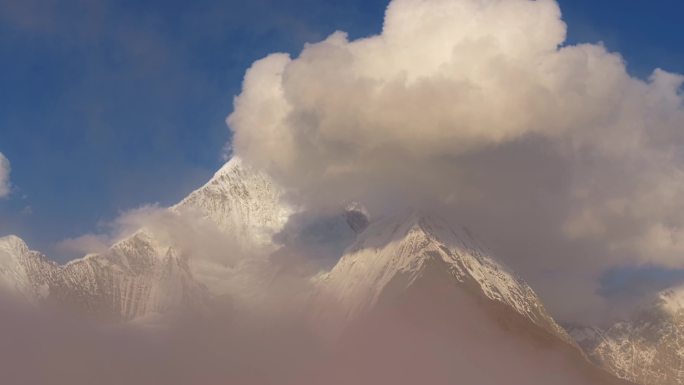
x: 107, y: 105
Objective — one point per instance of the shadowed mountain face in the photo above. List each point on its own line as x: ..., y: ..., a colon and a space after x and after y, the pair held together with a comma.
x: 410, y: 299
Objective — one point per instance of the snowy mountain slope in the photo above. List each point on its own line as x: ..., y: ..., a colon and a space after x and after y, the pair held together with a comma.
x: 392, y: 254
x: 648, y: 348
x: 24, y: 271
x: 136, y: 278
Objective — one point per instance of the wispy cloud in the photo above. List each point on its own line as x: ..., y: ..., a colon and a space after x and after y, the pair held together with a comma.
x: 4, y: 176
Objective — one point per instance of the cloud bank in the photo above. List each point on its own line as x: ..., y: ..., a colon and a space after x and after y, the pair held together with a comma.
x: 4, y: 176
x: 563, y: 162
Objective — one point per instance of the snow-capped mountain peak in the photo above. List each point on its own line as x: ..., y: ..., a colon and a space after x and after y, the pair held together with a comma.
x: 241, y: 201
x: 394, y: 253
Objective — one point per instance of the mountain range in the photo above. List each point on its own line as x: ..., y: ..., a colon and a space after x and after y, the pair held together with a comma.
x: 410, y: 266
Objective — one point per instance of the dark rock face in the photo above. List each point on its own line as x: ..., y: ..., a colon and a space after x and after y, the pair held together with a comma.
x: 357, y: 220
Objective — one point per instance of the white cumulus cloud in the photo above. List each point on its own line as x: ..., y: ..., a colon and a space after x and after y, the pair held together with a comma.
x: 479, y: 110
